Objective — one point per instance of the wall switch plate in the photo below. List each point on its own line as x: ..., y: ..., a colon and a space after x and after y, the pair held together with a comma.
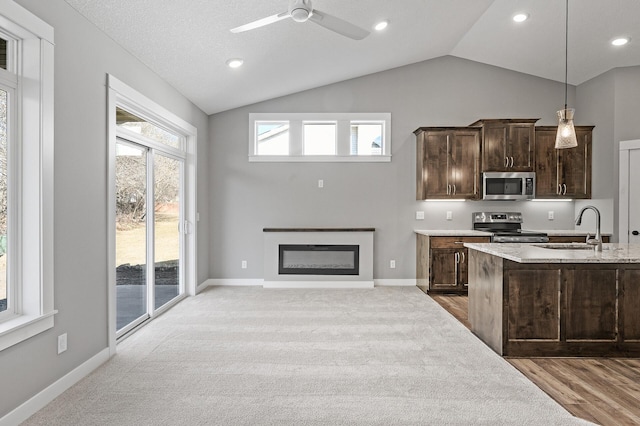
x: 449, y: 215
x: 392, y: 264
x: 420, y: 215
x: 320, y: 183
x: 244, y: 264
x: 62, y: 343
x: 551, y: 215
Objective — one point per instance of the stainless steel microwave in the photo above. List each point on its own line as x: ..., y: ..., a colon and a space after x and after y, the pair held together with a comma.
x: 508, y: 185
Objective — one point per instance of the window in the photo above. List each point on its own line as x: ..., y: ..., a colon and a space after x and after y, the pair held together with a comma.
x: 332, y: 137
x: 128, y: 122
x: 319, y: 138
x: 272, y: 138
x: 26, y: 175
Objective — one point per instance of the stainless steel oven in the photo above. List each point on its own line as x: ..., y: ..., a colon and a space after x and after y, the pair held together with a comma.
x: 506, y: 227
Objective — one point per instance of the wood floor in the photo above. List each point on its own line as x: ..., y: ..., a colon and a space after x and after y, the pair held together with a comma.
x: 604, y: 391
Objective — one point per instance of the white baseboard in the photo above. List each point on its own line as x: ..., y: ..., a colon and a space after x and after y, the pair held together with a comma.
x: 41, y: 399
x: 230, y: 282
x: 306, y: 284
x: 410, y: 282
x: 318, y: 284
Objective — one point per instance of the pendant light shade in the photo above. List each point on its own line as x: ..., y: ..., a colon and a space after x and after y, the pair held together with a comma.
x: 566, y: 136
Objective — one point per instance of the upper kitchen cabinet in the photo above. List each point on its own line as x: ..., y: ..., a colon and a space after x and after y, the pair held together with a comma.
x: 507, y: 144
x: 563, y: 173
x: 447, y: 162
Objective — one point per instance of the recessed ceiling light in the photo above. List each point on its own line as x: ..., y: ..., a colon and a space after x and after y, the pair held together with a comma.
x: 521, y: 17
x: 235, y: 63
x: 381, y: 25
x: 621, y: 41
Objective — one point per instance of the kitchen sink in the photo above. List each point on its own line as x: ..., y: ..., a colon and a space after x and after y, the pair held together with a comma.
x: 567, y: 246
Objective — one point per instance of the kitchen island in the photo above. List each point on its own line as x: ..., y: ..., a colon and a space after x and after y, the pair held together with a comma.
x: 556, y: 299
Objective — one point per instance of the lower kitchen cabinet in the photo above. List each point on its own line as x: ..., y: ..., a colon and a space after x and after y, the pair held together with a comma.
x: 441, y: 265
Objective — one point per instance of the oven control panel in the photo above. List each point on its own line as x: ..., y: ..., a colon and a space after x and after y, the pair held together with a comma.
x: 496, y: 217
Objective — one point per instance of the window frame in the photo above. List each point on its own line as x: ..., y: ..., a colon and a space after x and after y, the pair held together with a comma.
x: 343, y: 140
x: 31, y: 181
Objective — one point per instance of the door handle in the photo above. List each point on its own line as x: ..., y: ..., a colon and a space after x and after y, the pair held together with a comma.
x: 635, y: 233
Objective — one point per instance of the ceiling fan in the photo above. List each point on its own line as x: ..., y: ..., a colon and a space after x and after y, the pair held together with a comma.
x: 303, y: 11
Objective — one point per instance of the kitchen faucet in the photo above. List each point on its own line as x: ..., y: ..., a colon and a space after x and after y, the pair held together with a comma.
x: 596, y: 242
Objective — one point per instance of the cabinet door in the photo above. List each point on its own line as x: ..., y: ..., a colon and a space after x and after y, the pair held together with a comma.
x: 463, y: 269
x: 433, y: 165
x: 464, y: 163
x: 444, y: 270
x: 575, y: 167
x: 519, y: 150
x: 494, y: 155
x: 546, y: 163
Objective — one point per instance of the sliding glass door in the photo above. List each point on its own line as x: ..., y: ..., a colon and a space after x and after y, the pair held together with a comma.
x: 149, y: 234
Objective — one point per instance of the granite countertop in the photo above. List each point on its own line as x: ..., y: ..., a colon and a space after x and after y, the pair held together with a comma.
x: 570, y: 232
x: 536, y: 253
x: 452, y: 233
x: 472, y: 233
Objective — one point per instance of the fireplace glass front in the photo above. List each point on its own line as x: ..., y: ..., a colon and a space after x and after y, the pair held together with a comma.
x: 312, y: 259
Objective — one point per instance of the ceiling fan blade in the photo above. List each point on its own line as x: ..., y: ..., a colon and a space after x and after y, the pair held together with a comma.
x: 261, y: 22
x: 338, y: 25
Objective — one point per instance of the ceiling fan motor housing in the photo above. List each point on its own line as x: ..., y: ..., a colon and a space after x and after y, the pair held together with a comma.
x: 300, y: 10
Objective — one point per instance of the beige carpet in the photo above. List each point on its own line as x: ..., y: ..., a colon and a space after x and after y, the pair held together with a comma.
x: 250, y: 356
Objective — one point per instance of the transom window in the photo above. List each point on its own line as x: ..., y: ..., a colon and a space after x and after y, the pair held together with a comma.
x: 331, y: 137
x: 132, y: 123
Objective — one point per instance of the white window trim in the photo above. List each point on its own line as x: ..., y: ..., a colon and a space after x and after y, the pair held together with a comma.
x: 34, y: 131
x: 343, y: 121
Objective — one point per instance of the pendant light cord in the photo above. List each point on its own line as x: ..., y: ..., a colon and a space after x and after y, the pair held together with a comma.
x: 566, y: 53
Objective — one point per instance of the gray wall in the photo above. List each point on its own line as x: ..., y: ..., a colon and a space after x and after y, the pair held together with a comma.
x: 613, y: 100
x: 83, y: 58
x: 245, y: 197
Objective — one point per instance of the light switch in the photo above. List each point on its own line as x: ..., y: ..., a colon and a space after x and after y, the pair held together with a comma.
x: 320, y: 183
x: 449, y: 215
x: 420, y: 215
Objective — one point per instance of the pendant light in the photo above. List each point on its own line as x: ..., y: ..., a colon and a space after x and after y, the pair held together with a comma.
x: 566, y: 136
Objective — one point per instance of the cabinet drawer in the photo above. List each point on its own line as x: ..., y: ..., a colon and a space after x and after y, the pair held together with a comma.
x: 455, y: 242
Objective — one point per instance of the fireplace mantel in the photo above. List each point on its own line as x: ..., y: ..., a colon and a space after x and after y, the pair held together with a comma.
x: 275, y: 237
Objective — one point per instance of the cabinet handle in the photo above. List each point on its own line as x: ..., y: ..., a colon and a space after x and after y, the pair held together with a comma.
x: 454, y: 189
x: 635, y: 232
x: 506, y: 161
x: 457, y: 257
x: 564, y: 189
x: 463, y: 257
x: 559, y: 189
x: 512, y: 162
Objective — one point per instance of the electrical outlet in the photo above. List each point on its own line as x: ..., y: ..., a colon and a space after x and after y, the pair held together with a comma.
x: 420, y: 215
x: 392, y: 264
x: 551, y: 215
x: 244, y: 264
x: 320, y: 183
x: 62, y: 343
x: 449, y: 215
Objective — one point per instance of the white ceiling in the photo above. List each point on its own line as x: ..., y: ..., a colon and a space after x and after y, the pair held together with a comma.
x: 187, y: 42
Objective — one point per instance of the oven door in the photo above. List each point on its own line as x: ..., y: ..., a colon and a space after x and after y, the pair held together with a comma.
x: 508, y: 186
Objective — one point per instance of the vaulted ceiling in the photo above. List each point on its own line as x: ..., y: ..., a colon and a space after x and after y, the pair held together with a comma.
x: 187, y: 42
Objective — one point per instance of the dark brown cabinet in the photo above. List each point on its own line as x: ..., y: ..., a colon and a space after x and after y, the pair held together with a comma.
x: 507, y: 144
x: 555, y: 309
x: 442, y: 263
x: 574, y: 238
x: 447, y: 163
x: 563, y: 173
